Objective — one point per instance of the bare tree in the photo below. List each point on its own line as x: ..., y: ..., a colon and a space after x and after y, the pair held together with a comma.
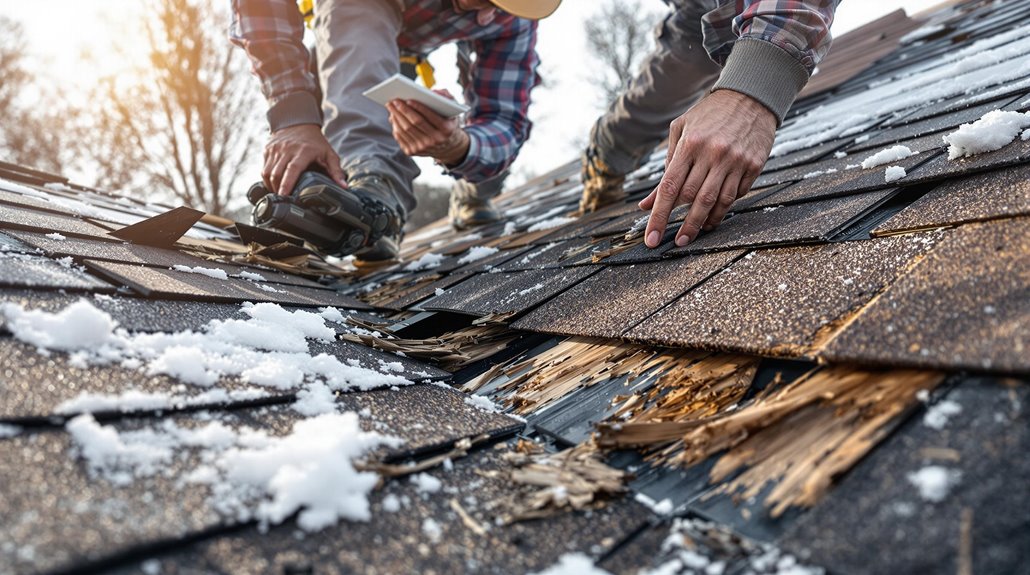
x: 618, y: 37
x: 31, y: 135
x: 184, y: 125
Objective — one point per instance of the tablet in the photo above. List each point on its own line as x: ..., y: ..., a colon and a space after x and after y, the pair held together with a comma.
x: 398, y: 87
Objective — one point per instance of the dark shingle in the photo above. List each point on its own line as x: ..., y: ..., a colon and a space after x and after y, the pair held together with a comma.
x: 777, y: 301
x: 619, y: 297
x: 1000, y: 193
x: 799, y: 223
x: 966, y: 306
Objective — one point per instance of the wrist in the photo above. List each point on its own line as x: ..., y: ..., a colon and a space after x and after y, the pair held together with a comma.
x: 457, y: 151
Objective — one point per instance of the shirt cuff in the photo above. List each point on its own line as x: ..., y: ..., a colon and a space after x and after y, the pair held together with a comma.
x: 467, y: 168
x: 294, y: 109
x: 765, y: 72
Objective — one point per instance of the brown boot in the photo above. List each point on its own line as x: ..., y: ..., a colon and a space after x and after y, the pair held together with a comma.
x: 601, y: 185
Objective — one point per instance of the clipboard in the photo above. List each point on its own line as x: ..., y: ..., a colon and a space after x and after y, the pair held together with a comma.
x: 399, y: 87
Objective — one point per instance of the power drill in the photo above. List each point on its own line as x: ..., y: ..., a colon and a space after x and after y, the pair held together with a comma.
x: 335, y: 220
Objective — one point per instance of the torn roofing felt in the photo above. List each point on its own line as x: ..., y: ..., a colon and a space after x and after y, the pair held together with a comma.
x: 844, y: 355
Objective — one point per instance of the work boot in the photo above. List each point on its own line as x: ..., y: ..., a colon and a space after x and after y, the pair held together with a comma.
x: 601, y: 185
x: 468, y: 212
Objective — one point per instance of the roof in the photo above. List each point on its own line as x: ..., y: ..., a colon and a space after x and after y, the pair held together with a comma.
x: 836, y: 377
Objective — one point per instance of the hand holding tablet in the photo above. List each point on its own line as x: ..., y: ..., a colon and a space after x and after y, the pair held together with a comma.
x: 398, y: 87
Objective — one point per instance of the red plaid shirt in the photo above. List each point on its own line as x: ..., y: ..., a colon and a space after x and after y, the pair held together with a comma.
x: 801, y: 27
x: 501, y: 77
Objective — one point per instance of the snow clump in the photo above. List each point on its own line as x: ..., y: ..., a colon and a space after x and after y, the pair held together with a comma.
x: 894, y: 173
x: 993, y: 131
x: 573, y: 564
x: 270, y: 348
x: 937, y: 416
x: 886, y: 156
x: 550, y: 224
x: 56, y: 236
x: 477, y: 253
x: 427, y: 261
x: 251, y: 475
x: 934, y: 482
x: 209, y: 272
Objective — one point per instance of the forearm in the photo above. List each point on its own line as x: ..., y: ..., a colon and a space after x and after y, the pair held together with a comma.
x: 271, y: 32
x: 491, y: 149
x: 776, y: 48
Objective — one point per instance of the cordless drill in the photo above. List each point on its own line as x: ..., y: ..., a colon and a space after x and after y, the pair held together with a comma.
x: 335, y: 220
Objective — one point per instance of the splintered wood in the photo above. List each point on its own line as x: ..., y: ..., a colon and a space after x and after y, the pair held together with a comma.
x: 800, y: 437
x: 572, y: 479
x: 450, y: 351
x: 575, y: 364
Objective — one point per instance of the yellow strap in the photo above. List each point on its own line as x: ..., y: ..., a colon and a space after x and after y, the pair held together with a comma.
x: 425, y: 71
x: 423, y: 68
x: 307, y: 10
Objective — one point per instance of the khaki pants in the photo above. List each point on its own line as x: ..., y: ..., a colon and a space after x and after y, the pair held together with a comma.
x: 356, y: 48
x: 675, y: 76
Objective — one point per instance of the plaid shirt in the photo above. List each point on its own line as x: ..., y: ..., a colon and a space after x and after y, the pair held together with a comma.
x: 800, y: 27
x: 500, y: 79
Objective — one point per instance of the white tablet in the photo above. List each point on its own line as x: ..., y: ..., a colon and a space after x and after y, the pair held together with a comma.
x: 398, y: 87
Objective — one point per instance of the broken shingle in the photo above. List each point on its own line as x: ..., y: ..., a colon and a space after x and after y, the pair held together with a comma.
x: 172, y: 284
x: 778, y: 301
x: 24, y: 271
x: 965, y: 306
x: 801, y: 223
x: 1000, y: 193
x: 617, y: 298
x: 502, y: 293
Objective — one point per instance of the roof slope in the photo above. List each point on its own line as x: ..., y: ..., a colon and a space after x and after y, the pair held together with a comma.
x: 839, y: 372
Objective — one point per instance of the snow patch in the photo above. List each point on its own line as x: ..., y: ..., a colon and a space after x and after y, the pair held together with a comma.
x: 426, y: 483
x: 270, y: 348
x: 56, y: 236
x: 573, y: 564
x: 993, y: 131
x: 8, y: 430
x: 937, y: 415
x: 483, y: 403
x: 209, y: 272
x: 934, y: 482
x: 550, y: 224
x: 252, y: 276
x: 431, y: 529
x: 78, y: 326
x: 477, y: 253
x: 427, y: 261
x: 894, y: 173
x: 887, y: 156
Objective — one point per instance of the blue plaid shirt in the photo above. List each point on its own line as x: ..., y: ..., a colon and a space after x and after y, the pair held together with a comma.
x: 499, y: 80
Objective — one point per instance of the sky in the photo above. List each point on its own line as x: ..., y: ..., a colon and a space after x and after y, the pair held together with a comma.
x: 563, y: 112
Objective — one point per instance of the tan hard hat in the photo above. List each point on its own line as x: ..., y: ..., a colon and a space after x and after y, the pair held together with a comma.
x: 531, y: 9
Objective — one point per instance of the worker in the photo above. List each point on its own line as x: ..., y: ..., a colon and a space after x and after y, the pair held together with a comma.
x: 725, y: 74
x: 366, y: 148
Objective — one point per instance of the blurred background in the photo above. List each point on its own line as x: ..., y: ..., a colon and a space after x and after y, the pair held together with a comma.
x: 149, y: 98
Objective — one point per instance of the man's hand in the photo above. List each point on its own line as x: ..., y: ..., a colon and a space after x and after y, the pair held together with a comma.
x: 290, y: 152
x: 716, y: 151
x: 422, y: 132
